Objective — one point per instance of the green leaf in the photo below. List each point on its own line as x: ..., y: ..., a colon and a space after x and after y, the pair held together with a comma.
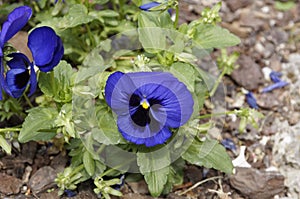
x: 175, y: 176
x: 284, y: 6
x: 77, y: 15
x: 150, y: 24
x: 89, y: 163
x: 38, y: 124
x: 4, y: 145
x: 210, y: 36
x: 185, y: 73
x: 108, y: 132
x: 155, y: 168
x: 58, y: 83
x: 209, y: 154
x: 156, y: 180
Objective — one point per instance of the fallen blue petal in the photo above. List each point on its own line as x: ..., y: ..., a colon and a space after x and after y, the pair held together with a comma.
x: 275, y: 76
x: 148, y: 6
x: 229, y: 144
x: 70, y: 193
x: 276, y: 85
x: 251, y: 100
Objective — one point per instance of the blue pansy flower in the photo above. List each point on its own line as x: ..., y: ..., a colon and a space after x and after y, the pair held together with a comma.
x: 16, y: 20
x: 251, y: 100
x: 21, y: 74
x: 47, y: 50
x: 148, y: 6
x: 147, y: 105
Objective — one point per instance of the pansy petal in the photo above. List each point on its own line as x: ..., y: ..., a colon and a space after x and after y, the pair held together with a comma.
x: 121, y: 94
x: 42, y: 42
x: 2, y: 80
x: 251, y: 100
x: 58, y: 54
x: 148, y: 6
x: 142, y: 135
x: 18, y: 60
x: 276, y: 85
x: 16, y: 20
x: 33, y: 80
x: 275, y: 76
x: 17, y: 81
x: 110, y: 85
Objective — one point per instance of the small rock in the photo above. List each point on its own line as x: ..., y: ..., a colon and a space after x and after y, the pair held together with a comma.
x: 257, y: 184
x: 59, y: 162
x: 136, y: 196
x: 175, y: 196
x: 42, y: 179
x: 268, y: 100
x: 28, y: 152
x: 50, y: 195
x: 294, y: 118
x: 193, y: 174
x: 139, y: 187
x: 237, y: 4
x: 9, y: 184
x: 249, y: 74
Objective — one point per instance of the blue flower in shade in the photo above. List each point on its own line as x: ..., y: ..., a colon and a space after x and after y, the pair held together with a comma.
x: 21, y: 74
x: 251, y: 100
x: 148, y: 6
x: 47, y: 50
x: 16, y: 20
x: 147, y: 105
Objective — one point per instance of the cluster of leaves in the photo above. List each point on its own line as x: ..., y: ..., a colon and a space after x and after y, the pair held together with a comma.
x: 72, y: 104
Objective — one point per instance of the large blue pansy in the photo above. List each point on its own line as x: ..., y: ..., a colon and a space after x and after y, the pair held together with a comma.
x: 46, y: 48
x: 148, y: 104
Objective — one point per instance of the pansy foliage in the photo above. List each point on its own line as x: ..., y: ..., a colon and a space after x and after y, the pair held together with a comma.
x: 127, y: 103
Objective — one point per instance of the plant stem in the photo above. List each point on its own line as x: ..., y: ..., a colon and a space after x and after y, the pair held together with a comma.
x: 176, y: 16
x: 212, y: 92
x: 28, y: 101
x: 214, y: 114
x: 10, y: 129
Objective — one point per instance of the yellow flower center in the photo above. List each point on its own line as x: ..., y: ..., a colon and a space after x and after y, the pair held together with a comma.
x: 145, y: 104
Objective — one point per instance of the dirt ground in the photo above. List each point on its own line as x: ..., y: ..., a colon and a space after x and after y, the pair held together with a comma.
x: 270, y: 38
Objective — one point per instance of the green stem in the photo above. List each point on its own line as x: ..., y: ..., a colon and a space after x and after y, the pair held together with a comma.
x: 115, y: 168
x: 10, y: 129
x: 93, y: 43
x: 214, y: 114
x: 176, y: 16
x: 121, y: 8
x: 77, y: 169
x: 212, y: 92
x: 28, y: 101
